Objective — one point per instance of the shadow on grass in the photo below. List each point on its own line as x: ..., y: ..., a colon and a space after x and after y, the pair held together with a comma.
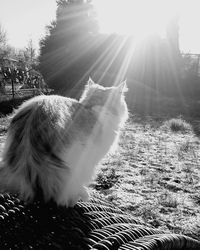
x: 7, y: 107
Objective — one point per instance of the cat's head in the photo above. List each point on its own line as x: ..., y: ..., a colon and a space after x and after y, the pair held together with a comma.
x: 109, y: 98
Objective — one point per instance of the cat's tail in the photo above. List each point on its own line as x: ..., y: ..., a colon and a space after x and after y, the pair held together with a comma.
x: 29, y: 167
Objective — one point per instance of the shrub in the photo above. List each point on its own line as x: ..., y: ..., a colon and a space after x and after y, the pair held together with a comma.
x: 179, y: 125
x: 106, y: 180
x: 7, y: 107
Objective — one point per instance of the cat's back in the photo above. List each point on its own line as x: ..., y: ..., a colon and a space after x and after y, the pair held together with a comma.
x: 52, y: 117
x: 44, y: 108
x: 47, y: 104
x: 40, y: 118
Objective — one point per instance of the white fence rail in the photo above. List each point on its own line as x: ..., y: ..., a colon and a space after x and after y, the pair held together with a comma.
x: 22, y: 93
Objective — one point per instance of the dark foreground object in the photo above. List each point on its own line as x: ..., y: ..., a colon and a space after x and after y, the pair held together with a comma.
x: 89, y: 225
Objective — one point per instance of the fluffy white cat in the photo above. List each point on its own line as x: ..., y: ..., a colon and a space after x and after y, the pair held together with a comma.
x: 53, y: 143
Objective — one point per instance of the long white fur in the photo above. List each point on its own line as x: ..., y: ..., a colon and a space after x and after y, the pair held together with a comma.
x: 54, y: 143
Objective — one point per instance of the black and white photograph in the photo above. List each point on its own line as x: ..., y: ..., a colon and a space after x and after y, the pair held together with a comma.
x: 100, y: 124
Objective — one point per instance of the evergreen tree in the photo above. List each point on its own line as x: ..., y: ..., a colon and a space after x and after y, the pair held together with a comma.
x: 65, y: 48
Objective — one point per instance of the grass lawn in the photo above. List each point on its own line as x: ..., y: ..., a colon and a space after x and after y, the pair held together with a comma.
x: 155, y: 173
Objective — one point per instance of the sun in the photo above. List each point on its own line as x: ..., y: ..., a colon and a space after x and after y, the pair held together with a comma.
x: 138, y: 18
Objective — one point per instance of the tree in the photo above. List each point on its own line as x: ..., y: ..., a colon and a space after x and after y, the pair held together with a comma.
x: 4, y: 50
x: 3, y: 37
x: 30, y: 53
x: 172, y: 32
x: 64, y: 51
x: 27, y: 56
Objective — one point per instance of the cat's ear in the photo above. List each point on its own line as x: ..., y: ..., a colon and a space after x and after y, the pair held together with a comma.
x: 90, y: 82
x: 122, y: 87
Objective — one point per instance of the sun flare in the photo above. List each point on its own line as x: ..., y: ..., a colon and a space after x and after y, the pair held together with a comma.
x: 139, y: 18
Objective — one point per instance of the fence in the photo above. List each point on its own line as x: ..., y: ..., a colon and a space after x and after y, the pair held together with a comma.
x: 23, y: 93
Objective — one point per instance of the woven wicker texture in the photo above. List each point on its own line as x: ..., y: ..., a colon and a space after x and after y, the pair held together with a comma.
x: 89, y: 225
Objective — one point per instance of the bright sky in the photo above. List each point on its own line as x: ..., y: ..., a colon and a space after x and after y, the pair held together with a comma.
x: 144, y: 17
x: 189, y: 26
x: 26, y: 19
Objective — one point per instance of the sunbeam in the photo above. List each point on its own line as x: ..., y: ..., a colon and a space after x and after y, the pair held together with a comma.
x: 137, y: 18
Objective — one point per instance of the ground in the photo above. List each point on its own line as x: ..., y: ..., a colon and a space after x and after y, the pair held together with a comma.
x: 154, y: 174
